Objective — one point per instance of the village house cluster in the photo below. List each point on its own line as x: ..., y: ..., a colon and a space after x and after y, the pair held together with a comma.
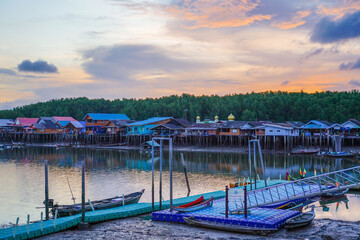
x: 105, y: 123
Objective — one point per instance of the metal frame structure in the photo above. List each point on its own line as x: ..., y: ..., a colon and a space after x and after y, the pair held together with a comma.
x: 153, y: 171
x: 303, y: 188
x: 255, y: 142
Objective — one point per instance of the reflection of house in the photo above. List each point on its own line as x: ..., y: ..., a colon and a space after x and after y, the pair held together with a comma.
x: 117, y: 126
x: 46, y: 125
x: 96, y: 122
x: 351, y: 127
x: 145, y: 126
x: 316, y: 127
x: 280, y: 129
x: 75, y: 127
x: 174, y: 127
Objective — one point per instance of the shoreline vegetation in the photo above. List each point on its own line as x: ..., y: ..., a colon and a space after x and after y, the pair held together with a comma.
x: 276, y: 106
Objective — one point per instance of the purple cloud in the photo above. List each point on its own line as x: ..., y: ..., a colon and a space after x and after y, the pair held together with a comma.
x: 350, y: 65
x: 39, y: 66
x: 328, y: 31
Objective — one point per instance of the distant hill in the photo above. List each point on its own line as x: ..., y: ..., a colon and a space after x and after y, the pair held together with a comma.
x: 275, y: 106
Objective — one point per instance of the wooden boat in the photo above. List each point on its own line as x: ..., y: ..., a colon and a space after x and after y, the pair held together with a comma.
x: 229, y: 228
x: 73, y: 209
x: 325, y: 201
x: 234, y: 185
x: 298, y: 207
x: 340, y: 154
x: 300, y: 220
x: 59, y: 145
x: 335, y: 194
x: 198, y: 204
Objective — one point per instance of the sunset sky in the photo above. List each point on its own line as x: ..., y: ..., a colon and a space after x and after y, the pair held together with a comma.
x: 134, y: 49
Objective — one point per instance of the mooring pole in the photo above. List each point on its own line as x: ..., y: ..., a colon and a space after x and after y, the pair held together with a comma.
x: 185, y: 171
x: 262, y: 163
x: 152, y: 176
x: 226, y: 202
x: 255, y: 165
x: 83, y: 192
x: 245, y: 201
x: 46, y: 191
x: 171, y: 173
x: 250, y: 164
x: 160, y: 180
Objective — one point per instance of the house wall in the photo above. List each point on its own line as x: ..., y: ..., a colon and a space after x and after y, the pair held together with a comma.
x: 230, y: 131
x: 47, y: 130
x: 273, y: 131
x: 144, y: 129
x: 90, y: 122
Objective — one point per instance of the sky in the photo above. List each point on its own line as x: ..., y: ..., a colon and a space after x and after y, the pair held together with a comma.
x: 136, y: 49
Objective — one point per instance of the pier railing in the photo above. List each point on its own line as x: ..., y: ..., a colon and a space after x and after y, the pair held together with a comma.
x: 303, y: 188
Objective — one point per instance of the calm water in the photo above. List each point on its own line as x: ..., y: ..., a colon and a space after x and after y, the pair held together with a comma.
x: 112, y: 172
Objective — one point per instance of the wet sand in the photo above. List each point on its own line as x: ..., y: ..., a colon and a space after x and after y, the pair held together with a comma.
x: 140, y: 228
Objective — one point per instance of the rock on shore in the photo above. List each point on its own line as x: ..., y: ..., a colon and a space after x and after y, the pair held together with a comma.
x: 140, y: 228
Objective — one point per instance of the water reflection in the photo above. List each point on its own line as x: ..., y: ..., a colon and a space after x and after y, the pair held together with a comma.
x: 113, y: 172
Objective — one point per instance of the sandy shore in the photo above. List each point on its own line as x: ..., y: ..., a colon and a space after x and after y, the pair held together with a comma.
x: 141, y: 228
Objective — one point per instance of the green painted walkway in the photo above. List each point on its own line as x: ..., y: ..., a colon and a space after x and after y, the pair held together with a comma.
x: 104, y: 215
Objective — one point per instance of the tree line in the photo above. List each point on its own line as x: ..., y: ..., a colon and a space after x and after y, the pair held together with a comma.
x: 277, y: 106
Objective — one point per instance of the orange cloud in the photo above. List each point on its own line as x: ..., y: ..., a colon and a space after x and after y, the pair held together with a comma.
x: 296, y: 21
x: 215, y: 14
x: 342, y: 8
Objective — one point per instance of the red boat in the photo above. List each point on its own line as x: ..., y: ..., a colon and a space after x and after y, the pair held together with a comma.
x: 198, y: 204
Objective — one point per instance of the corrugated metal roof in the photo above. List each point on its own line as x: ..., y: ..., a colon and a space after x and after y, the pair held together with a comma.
x: 353, y: 120
x: 63, y: 123
x: 316, y: 124
x: 47, y: 123
x: 107, y: 116
x: 232, y: 124
x: 121, y: 123
x: 204, y: 126
x: 68, y: 119
x: 27, y: 121
x: 295, y: 124
x: 169, y: 126
x: 76, y: 124
x: 6, y: 122
x: 149, y: 121
x: 183, y: 122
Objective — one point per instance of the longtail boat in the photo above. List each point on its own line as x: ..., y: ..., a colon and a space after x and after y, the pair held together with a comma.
x: 227, y: 227
x: 340, y: 154
x: 335, y: 194
x: 298, y: 207
x: 300, y: 220
x: 198, y: 204
x: 73, y: 209
x: 305, y: 151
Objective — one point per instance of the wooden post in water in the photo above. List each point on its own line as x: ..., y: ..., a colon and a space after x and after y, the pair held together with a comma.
x: 83, y: 192
x: 171, y: 172
x: 83, y: 225
x: 152, y: 176
x: 46, y: 191
x: 226, y: 202
x: 250, y: 164
x: 160, y: 179
x: 245, y: 201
